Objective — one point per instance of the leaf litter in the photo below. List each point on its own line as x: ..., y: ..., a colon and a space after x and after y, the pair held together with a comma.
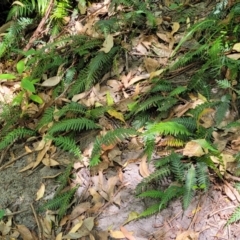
x: 105, y: 205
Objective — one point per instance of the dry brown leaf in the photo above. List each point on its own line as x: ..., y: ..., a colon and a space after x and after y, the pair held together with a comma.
x: 229, y: 193
x: 127, y: 234
x: 59, y: 236
x: 51, y: 82
x: 175, y: 27
x: 107, y: 44
x: 234, y: 56
x: 156, y: 74
x: 193, y: 149
x: 235, y: 144
x: 236, y: 47
x: 25, y: 232
x: 79, y: 209
x: 117, y: 234
x: 40, y: 192
x: 143, y: 169
x: 50, y: 162
x: 76, y: 227
x: 188, y: 235
x: 137, y: 79
x: 29, y: 166
x: 42, y: 153
x: 131, y: 217
x: 151, y: 64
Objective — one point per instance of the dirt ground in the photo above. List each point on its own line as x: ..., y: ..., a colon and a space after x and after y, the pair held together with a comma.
x: 204, y: 219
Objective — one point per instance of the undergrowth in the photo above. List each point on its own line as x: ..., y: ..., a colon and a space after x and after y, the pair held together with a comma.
x: 80, y: 63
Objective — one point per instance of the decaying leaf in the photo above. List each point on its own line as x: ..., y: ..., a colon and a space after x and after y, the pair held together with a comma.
x: 40, y: 192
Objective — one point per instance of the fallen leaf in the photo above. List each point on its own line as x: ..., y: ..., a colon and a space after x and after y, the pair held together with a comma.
x: 76, y: 227
x: 107, y: 44
x: 193, y: 149
x: 25, y: 232
x: 116, y: 114
x: 143, y: 167
x: 151, y: 64
x: 188, y: 235
x: 40, y: 192
x: 236, y: 47
x: 50, y: 162
x: 79, y: 209
x: 52, y: 81
x: 127, y: 234
x: 132, y: 216
x: 117, y: 234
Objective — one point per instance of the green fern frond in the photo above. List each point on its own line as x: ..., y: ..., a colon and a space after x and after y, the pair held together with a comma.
x: 167, y: 104
x: 149, y: 144
x: 224, y: 84
x: 234, y: 217
x: 173, y: 142
x: 161, y: 86
x: 152, y: 194
x: 47, y: 117
x: 157, y: 175
x: 150, y: 211
x: 97, y: 112
x: 72, y: 107
x: 140, y: 120
x: 60, y: 202
x: 67, y: 144
x: 177, y: 91
x: 202, y: 176
x: 77, y: 124
x: 167, y: 128
x: 96, y: 68
x: 111, y: 137
x: 200, y: 108
x: 177, y: 167
x: 188, y: 122
x: 15, y: 134
x: 221, y: 111
x: 171, y: 192
x: 148, y: 103
x: 190, y: 183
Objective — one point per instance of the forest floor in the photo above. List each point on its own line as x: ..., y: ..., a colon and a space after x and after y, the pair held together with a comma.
x: 110, y: 192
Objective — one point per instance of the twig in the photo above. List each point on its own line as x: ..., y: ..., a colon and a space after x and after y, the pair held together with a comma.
x: 39, y: 29
x: 14, y: 160
x: 37, y: 221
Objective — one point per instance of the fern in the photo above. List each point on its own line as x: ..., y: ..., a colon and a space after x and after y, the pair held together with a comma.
x: 152, y: 194
x: 202, y: 175
x: 89, y: 75
x: 111, y: 137
x: 150, y: 211
x: 189, y: 186
x: 177, y: 167
x: 188, y: 122
x: 47, y: 117
x: 60, y: 202
x: 149, y: 146
x: 167, y: 128
x: 72, y: 107
x: 234, y: 217
x: 224, y: 84
x: 221, y: 111
x: 157, y: 175
x: 15, y: 134
x: 77, y: 124
x: 67, y: 144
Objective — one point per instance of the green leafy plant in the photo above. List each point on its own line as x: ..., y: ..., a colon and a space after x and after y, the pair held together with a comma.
x: 61, y: 199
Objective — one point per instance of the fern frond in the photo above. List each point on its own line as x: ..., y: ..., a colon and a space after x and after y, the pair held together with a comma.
x: 171, y: 192
x: 177, y: 167
x: 111, y: 137
x: 67, y: 144
x: 96, y: 68
x: 150, y: 210
x: 221, y: 111
x: 190, y: 183
x: 167, y: 104
x: 162, y: 86
x: 155, y: 176
x: 167, y: 128
x: 47, y: 117
x: 77, y: 124
x: 234, y: 217
x: 149, y: 144
x: 148, y: 103
x: 97, y: 112
x: 224, y: 84
x: 202, y: 175
x: 15, y: 134
x: 188, y: 122
x: 72, y: 107
x: 152, y: 194
x: 177, y: 91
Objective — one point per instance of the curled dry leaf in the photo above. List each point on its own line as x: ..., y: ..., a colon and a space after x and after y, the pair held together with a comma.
x: 40, y: 192
x: 51, y: 82
x: 25, y: 232
x: 143, y: 167
x: 193, y: 149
